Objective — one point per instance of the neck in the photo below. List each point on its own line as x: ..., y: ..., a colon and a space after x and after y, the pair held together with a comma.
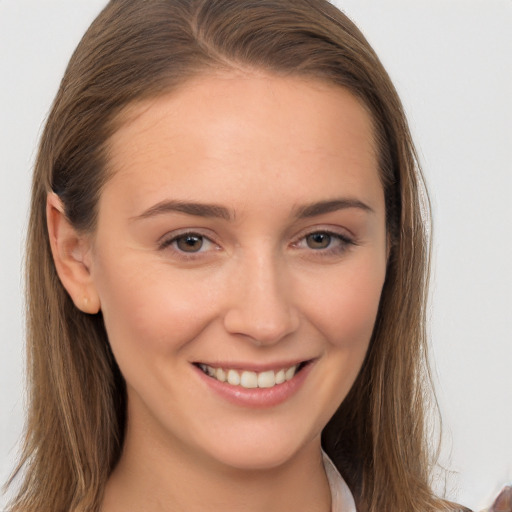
x: 156, y: 474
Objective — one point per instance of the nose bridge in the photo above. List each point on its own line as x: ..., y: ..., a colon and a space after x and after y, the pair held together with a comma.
x: 261, y: 307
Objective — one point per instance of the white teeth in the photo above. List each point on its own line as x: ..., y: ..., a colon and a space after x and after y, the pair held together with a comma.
x: 233, y: 377
x: 248, y: 379
x: 290, y: 372
x: 266, y: 379
x: 280, y: 377
x: 208, y: 370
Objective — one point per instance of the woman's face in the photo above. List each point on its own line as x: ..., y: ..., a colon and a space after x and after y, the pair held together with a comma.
x: 241, y: 237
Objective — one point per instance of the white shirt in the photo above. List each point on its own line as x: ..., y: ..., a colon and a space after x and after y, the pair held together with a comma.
x: 341, y: 497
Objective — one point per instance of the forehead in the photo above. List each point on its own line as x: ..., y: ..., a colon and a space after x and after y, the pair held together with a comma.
x: 235, y: 130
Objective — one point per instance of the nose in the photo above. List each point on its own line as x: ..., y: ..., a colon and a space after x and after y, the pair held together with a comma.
x: 260, y: 302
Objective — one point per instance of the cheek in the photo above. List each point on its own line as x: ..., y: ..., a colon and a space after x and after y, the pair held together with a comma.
x: 344, y: 309
x: 148, y: 311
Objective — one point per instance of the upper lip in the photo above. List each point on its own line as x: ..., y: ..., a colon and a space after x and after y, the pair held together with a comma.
x: 255, y: 367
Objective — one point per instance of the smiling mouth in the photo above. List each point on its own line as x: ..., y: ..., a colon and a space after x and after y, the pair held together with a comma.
x: 251, y: 380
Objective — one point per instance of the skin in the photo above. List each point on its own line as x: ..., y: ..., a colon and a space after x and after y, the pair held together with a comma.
x: 259, y: 290
x: 503, y: 502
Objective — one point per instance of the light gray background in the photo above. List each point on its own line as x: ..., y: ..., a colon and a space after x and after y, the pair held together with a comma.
x: 451, y: 62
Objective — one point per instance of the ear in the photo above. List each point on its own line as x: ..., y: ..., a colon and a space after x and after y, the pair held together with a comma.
x: 71, y: 254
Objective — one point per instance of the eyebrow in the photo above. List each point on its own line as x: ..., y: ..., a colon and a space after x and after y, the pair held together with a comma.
x: 189, y: 208
x: 322, y: 207
x: 221, y: 212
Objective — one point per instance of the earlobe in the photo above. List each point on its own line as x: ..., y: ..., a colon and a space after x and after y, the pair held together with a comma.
x: 71, y: 251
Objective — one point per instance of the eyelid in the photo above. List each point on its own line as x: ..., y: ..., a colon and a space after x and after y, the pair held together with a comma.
x: 346, y: 241
x: 339, y: 232
x: 166, y: 241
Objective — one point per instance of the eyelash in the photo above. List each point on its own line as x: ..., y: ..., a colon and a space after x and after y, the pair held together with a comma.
x: 169, y: 242
x: 344, y: 243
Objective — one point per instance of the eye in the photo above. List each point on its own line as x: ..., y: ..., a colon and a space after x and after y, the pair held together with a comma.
x: 318, y: 240
x: 188, y: 243
x: 325, y: 242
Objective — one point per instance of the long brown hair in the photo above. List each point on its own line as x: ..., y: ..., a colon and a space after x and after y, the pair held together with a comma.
x: 136, y: 50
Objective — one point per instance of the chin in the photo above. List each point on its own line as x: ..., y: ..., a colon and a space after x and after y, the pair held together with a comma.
x: 255, y: 459
x: 260, y: 450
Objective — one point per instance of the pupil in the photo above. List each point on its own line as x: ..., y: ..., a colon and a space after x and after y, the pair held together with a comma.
x: 319, y: 240
x: 190, y: 243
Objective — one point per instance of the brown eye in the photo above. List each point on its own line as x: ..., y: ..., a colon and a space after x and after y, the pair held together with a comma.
x: 189, y: 243
x: 318, y: 240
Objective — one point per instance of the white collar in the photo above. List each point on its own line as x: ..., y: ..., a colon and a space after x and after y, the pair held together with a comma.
x: 341, y: 497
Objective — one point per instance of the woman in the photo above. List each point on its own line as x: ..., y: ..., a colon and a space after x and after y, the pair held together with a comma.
x: 227, y: 270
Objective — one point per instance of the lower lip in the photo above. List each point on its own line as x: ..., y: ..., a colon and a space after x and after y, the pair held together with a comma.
x: 257, y: 397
